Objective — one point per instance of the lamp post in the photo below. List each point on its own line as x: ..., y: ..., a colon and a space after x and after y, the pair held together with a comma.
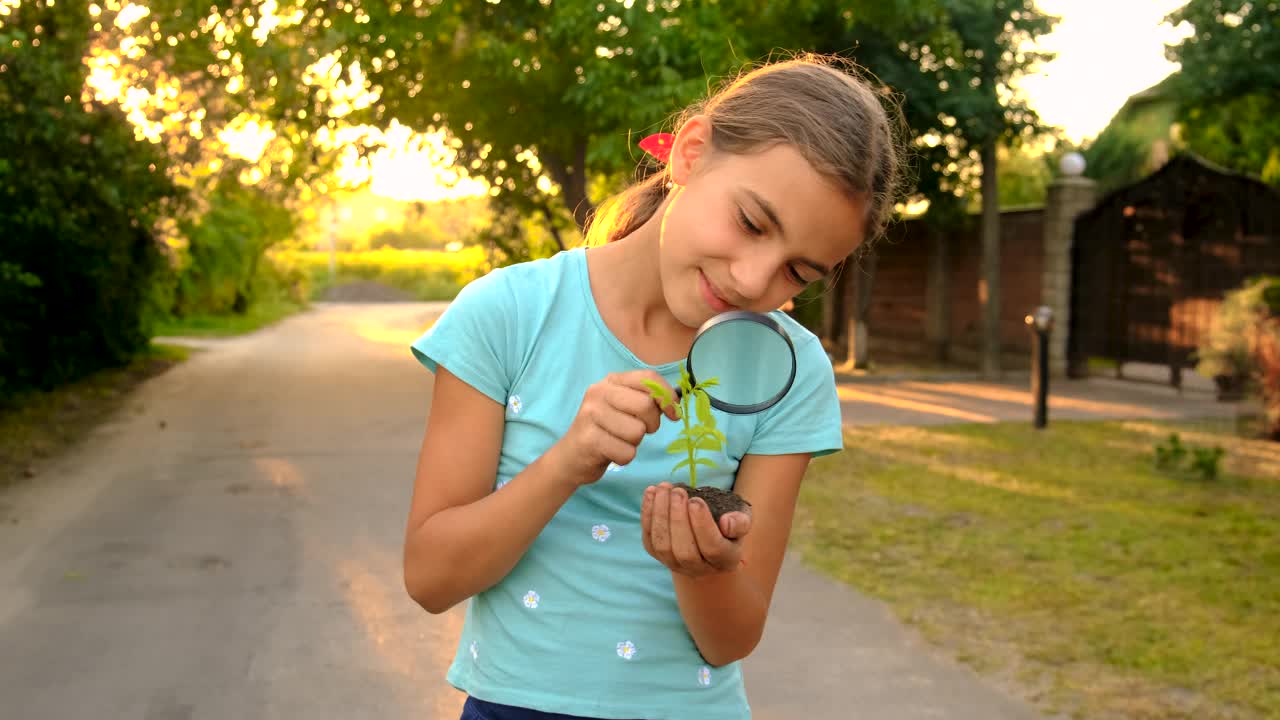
x: 1072, y: 164
x: 1040, y: 321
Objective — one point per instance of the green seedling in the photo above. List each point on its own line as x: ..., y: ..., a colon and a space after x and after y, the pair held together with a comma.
x: 700, y: 435
x: 1179, y: 459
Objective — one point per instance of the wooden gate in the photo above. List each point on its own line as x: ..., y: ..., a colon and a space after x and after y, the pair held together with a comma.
x: 1151, y: 262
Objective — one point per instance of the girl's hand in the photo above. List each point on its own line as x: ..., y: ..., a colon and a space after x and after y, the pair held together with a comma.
x: 682, y: 535
x: 615, y: 415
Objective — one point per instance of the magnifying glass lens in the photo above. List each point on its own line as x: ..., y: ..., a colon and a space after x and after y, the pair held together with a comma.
x: 750, y: 356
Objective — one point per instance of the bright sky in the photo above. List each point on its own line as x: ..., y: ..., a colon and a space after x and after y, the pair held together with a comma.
x: 1107, y: 51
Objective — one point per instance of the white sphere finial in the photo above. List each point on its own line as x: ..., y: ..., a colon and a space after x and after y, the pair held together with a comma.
x: 1072, y: 164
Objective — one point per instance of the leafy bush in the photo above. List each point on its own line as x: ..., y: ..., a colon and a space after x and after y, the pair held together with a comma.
x: 79, y: 198
x: 1174, y: 458
x: 221, y: 266
x: 1245, y: 342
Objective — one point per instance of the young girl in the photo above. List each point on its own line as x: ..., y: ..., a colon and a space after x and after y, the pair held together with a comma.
x: 543, y: 491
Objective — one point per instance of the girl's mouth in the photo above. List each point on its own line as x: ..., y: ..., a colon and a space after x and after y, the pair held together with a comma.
x: 710, y: 297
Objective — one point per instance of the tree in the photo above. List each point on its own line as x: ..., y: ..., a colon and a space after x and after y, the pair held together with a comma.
x: 953, y: 63
x: 988, y: 39
x: 80, y: 203
x: 1229, y: 83
x: 1026, y: 173
x: 537, y: 96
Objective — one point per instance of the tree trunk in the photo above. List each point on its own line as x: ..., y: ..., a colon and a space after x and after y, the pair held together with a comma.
x: 938, y: 297
x: 835, y: 307
x: 860, y: 286
x: 551, y: 227
x: 572, y: 179
x: 989, y: 283
x: 830, y: 307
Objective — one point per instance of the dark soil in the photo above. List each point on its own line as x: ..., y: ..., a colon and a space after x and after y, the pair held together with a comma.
x: 719, y: 501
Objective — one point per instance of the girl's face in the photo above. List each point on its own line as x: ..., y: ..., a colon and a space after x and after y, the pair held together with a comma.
x: 748, y: 232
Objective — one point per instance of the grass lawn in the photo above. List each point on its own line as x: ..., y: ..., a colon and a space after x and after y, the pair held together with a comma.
x: 260, y: 315
x: 1062, y: 564
x: 38, y: 425
x: 423, y: 274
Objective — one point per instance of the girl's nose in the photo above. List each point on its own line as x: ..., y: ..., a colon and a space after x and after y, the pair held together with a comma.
x: 752, y: 273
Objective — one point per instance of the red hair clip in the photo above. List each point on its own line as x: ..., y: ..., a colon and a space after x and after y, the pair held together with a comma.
x: 659, y: 145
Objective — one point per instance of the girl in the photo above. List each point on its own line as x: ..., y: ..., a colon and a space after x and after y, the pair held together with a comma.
x: 596, y: 590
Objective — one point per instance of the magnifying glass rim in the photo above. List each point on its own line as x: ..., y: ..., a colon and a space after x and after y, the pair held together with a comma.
x: 762, y: 319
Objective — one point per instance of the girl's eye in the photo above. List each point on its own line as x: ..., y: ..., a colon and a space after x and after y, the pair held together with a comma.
x: 796, y: 277
x: 747, y: 224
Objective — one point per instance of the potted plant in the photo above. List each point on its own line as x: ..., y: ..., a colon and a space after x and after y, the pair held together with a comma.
x: 1227, y: 353
x: 699, y: 433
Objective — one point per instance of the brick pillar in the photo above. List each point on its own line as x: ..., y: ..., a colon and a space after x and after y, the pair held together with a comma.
x: 1069, y: 197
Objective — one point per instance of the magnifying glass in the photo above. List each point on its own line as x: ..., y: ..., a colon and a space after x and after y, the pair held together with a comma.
x: 749, y: 354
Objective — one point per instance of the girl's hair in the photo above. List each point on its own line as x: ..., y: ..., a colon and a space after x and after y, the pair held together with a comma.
x: 829, y: 113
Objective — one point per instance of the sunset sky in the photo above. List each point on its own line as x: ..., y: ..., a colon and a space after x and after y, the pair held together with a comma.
x: 1107, y: 51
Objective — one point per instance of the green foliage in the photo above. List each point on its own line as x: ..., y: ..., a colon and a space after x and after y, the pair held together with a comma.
x: 424, y: 274
x: 1233, y: 51
x: 1244, y: 343
x: 808, y: 304
x: 532, y: 90
x: 953, y: 74
x: 1239, y: 133
x: 1174, y: 458
x: 1025, y: 174
x: 361, y: 220
x: 513, y: 237
x: 1231, y: 345
x: 1229, y: 84
x: 697, y: 435
x: 225, y: 246
x: 1170, y: 455
x: 80, y: 199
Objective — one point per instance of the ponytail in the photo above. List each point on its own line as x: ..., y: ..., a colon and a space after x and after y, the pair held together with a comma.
x: 621, y: 214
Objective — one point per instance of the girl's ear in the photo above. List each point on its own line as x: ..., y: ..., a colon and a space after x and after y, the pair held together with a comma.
x: 693, y: 143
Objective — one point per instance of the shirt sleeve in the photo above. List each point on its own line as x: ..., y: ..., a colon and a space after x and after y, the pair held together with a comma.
x: 807, y: 419
x: 475, y: 338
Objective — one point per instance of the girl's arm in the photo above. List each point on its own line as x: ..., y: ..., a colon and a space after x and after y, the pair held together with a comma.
x: 462, y: 537
x: 726, y: 610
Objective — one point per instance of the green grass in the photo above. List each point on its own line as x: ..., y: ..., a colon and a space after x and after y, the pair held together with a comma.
x: 1101, y: 364
x: 1063, y: 563
x: 426, y: 275
x: 38, y: 425
x: 260, y: 315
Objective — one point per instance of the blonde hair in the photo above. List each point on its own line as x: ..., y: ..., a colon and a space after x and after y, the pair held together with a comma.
x: 818, y: 104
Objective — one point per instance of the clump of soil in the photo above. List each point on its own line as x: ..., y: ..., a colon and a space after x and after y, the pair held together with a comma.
x: 719, y: 501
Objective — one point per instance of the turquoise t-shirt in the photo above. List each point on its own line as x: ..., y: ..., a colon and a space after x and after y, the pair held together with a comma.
x: 587, y: 622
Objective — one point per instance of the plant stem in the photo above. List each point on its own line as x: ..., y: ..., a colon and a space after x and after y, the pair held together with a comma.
x: 684, y: 414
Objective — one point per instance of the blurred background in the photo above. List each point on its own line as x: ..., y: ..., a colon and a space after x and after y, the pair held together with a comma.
x: 174, y: 172
x: 175, y: 166
x: 166, y: 164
